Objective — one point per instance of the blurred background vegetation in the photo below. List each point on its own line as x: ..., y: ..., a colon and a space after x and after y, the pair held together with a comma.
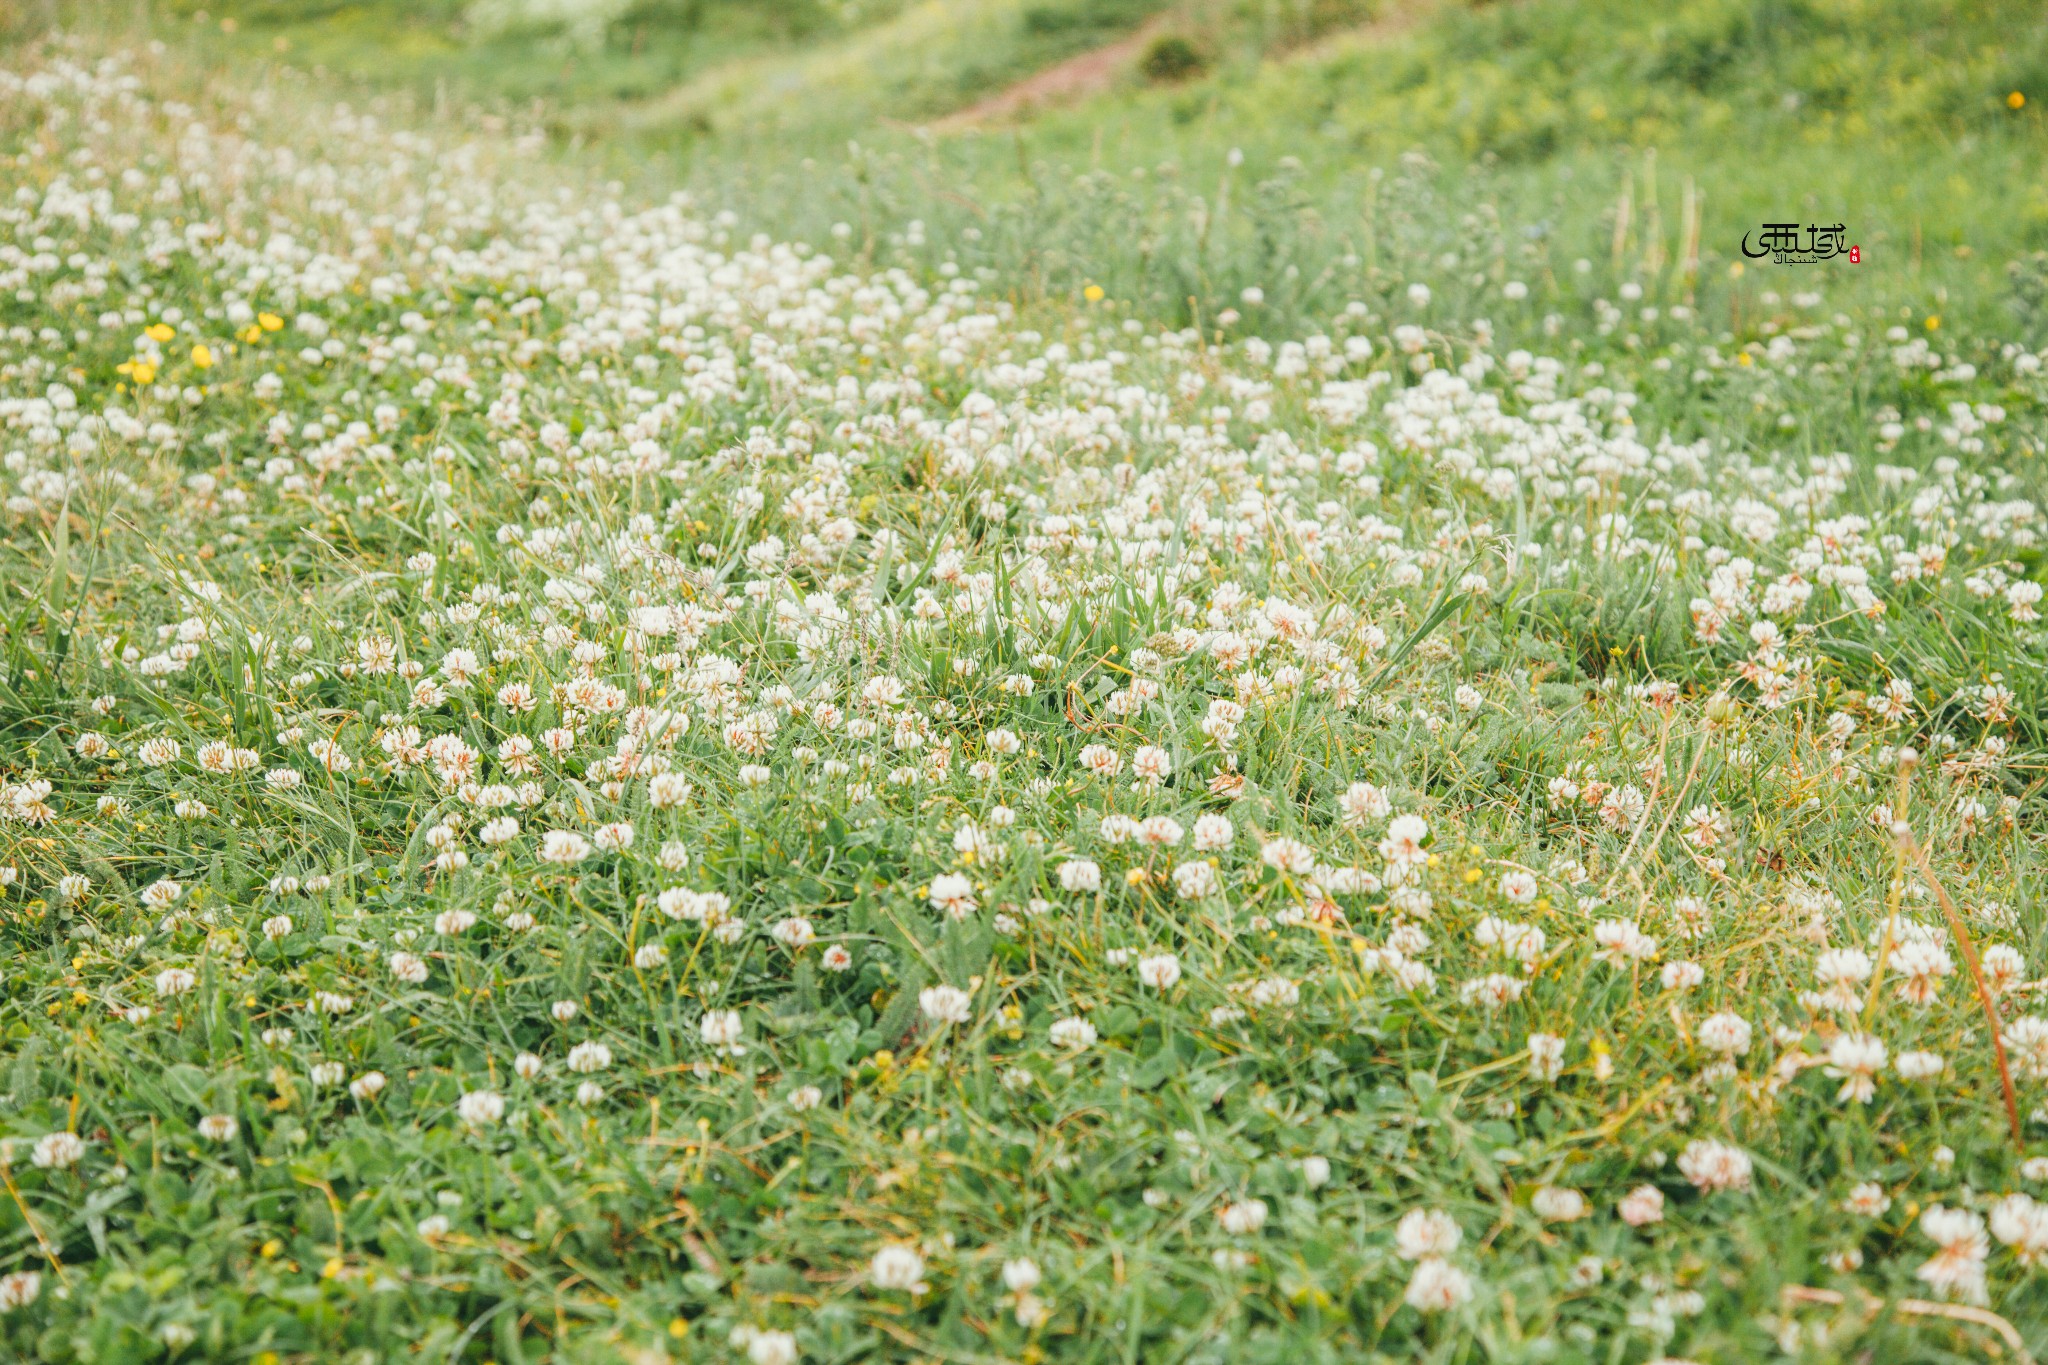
x: 1176, y: 152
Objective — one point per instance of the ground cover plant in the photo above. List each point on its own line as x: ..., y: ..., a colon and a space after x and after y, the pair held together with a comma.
x: 1633, y: 134
x: 588, y: 781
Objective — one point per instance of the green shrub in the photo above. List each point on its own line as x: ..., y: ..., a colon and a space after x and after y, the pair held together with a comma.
x: 1172, y: 58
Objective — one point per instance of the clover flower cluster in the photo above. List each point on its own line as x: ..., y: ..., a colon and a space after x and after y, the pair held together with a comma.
x: 766, y: 681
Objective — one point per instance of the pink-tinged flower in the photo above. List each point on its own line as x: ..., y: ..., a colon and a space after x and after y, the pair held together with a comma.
x: 1437, y: 1286
x: 954, y: 894
x: 1957, y: 1269
x: 1712, y: 1166
x: 1642, y: 1206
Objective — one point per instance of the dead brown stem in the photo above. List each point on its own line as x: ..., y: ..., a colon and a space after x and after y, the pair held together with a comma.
x: 1903, y: 832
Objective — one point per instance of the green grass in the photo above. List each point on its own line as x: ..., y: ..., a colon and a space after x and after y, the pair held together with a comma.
x: 591, y: 58
x: 290, y: 625
x: 1891, y: 119
x: 514, y: 52
x: 693, y: 64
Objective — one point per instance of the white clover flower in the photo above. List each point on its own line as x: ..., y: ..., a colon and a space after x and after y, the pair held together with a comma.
x: 2026, y: 1044
x: 19, y: 1289
x: 794, y: 933
x: 1160, y: 831
x: 57, y: 1150
x: 666, y: 791
x: 945, y: 1004
x: 953, y: 894
x: 1242, y: 1218
x: 1403, y: 844
x: 1274, y: 992
x: 2021, y: 1222
x: 564, y: 847
x: 1196, y: 881
x: 1682, y: 976
x: 1726, y: 1033
x: 1080, y: 875
x: 1423, y: 1233
x: 1072, y: 1033
x: 1856, y: 1058
x: 589, y: 1056
x: 1957, y: 1269
x: 1151, y: 764
x: 480, y: 1107
x: 722, y: 1030
x: 159, y: 752
x: 1518, y: 887
x: 1713, y: 1166
x: 1161, y: 972
x: 1437, y: 1286
x: 1642, y: 1206
x: 897, y: 1267
x: 1546, y: 1056
x: 771, y: 1348
x: 1288, y: 855
x: 1361, y: 803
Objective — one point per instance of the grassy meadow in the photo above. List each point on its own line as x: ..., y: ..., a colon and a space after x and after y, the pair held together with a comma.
x: 674, y: 687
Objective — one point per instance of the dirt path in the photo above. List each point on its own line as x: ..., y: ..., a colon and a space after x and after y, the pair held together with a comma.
x: 1089, y: 73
